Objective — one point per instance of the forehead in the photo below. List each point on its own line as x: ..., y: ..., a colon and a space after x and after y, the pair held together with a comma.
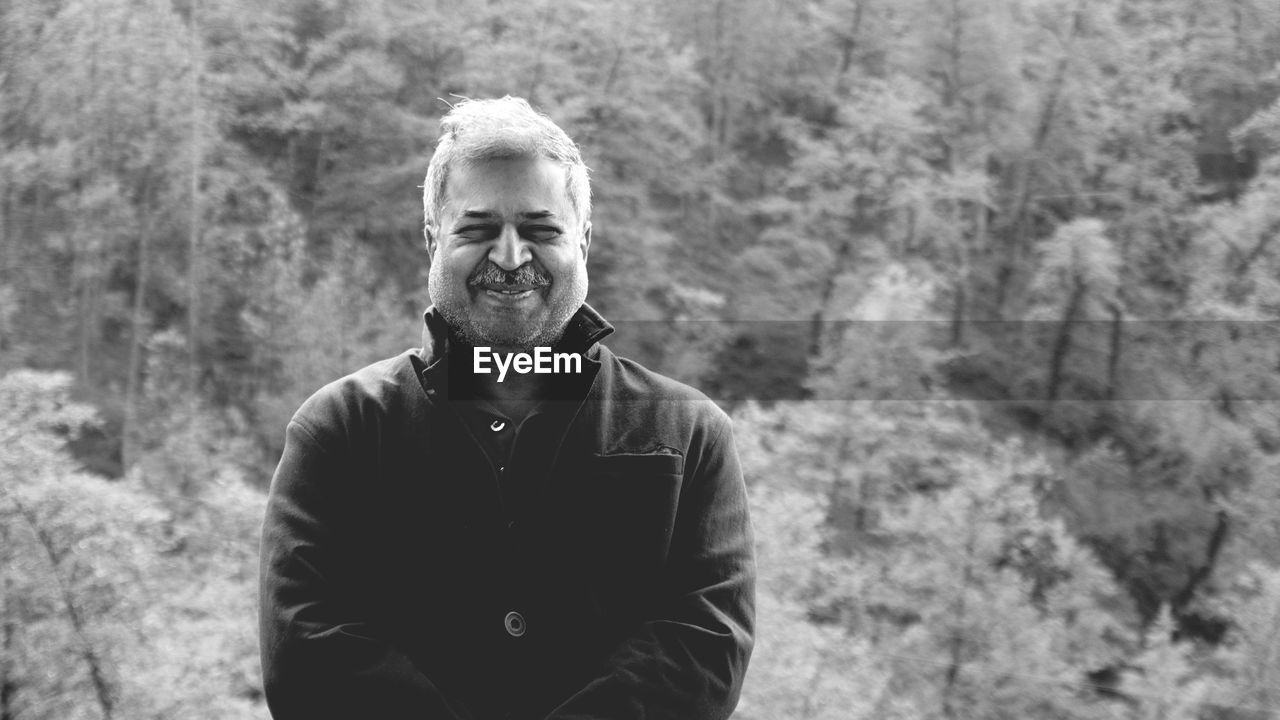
x: 509, y: 185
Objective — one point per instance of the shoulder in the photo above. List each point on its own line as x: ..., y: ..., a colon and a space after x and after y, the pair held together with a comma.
x: 370, y: 395
x: 634, y: 382
x: 648, y: 397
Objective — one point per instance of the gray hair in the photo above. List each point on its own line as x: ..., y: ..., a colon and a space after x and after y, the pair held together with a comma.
x: 476, y: 130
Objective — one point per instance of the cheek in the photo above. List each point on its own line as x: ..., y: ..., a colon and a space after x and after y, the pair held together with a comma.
x: 572, y: 278
x: 433, y: 280
x: 443, y: 282
x: 456, y: 267
x: 565, y: 264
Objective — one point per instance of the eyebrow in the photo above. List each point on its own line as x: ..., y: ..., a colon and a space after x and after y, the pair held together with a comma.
x: 490, y: 215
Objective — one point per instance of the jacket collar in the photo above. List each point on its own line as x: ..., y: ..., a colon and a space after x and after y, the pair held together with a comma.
x: 585, y: 329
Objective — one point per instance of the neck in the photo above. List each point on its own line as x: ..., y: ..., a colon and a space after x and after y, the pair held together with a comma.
x: 516, y: 395
x: 513, y: 392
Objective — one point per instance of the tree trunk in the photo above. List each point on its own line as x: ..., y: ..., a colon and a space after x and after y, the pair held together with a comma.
x: 717, y: 76
x: 857, y: 484
x: 817, y: 324
x: 1062, y: 342
x: 1017, y: 240
x: 84, y: 260
x: 951, y: 89
x: 958, y: 311
x: 6, y: 261
x: 133, y: 380
x: 960, y: 283
x: 956, y: 642
x: 1113, y: 353
x: 848, y: 44
x: 1202, y: 572
x: 952, y: 82
x: 97, y: 675
x: 8, y: 629
x: 614, y: 68
x: 193, y: 227
x: 860, y: 224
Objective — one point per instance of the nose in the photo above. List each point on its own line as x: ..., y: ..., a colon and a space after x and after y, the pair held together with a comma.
x: 510, y: 251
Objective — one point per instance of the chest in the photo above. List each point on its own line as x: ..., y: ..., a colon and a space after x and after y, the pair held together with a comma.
x: 554, y: 510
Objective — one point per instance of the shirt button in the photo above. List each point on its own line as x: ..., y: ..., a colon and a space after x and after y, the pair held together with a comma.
x: 514, y: 623
x: 497, y: 425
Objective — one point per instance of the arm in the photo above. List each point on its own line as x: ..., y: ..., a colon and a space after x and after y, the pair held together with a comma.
x: 688, y: 659
x: 320, y: 657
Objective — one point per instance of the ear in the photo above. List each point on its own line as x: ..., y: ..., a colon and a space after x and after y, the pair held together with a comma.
x: 586, y: 241
x: 429, y: 234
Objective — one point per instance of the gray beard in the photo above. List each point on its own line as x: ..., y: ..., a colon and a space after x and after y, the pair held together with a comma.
x: 468, y: 332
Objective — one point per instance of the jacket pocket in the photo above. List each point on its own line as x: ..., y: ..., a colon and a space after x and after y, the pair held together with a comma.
x: 627, y: 504
x: 662, y: 460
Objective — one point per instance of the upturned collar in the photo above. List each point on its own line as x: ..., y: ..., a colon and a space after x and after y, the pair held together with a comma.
x: 585, y: 329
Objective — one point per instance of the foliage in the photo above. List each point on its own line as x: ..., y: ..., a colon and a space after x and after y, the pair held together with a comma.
x: 1162, y: 679
x: 113, y: 606
x: 940, y: 589
x: 1249, y: 660
x: 1063, y: 211
x: 311, y: 320
x: 803, y: 670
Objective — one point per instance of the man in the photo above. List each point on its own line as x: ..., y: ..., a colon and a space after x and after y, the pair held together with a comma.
x: 445, y: 540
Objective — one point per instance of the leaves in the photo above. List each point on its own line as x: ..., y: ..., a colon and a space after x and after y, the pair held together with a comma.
x: 955, y: 596
x: 1064, y: 210
x: 100, y: 608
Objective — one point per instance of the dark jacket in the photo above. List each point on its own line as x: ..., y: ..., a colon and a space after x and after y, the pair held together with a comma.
x: 392, y: 561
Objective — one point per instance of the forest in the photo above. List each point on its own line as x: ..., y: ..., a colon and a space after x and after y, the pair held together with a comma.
x: 990, y: 288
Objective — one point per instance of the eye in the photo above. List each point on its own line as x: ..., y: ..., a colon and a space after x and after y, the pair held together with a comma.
x: 477, y: 232
x: 541, y: 233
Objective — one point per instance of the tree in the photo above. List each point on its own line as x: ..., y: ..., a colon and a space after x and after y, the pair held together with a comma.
x: 1080, y: 275
x: 310, y: 320
x: 1162, y: 679
x: 337, y: 99
x: 802, y: 669
x: 1250, y: 656
x: 1002, y: 613
x: 919, y: 550
x: 113, y: 605
x: 60, y: 561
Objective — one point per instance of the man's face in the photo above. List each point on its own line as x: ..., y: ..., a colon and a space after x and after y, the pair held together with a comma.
x: 509, y: 257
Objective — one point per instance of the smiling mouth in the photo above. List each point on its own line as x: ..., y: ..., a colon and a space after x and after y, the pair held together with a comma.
x: 510, y: 293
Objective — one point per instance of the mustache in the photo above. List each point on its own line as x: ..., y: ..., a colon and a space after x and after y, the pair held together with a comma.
x: 491, y: 274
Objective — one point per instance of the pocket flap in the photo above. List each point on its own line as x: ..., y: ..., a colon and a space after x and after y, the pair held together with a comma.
x: 662, y: 461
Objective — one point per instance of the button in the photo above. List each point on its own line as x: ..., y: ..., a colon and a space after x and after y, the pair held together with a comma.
x: 511, y: 525
x: 514, y: 622
x: 497, y: 425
